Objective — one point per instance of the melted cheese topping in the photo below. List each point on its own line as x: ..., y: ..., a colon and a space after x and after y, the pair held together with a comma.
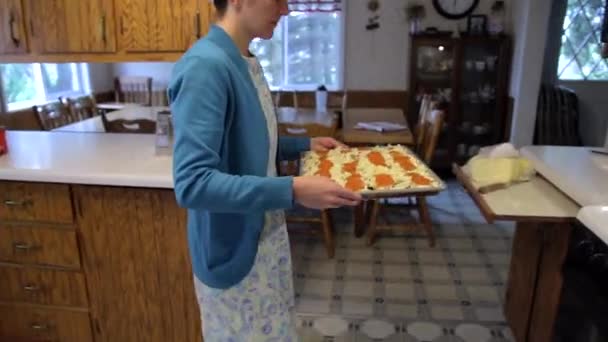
x: 400, y: 165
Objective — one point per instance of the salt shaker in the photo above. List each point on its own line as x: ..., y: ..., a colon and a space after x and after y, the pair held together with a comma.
x: 164, y: 133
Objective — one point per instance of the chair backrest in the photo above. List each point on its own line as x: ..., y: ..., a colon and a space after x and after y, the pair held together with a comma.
x: 426, y: 106
x: 53, y: 115
x: 133, y: 89
x: 306, y: 130
x: 280, y: 93
x: 431, y: 130
x: 129, y: 126
x: 336, y: 100
x: 81, y: 108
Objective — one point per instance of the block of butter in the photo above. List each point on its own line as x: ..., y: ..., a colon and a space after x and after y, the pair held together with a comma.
x: 486, y: 172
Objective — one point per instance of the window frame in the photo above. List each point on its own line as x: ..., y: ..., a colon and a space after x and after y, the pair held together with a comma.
x: 84, y: 85
x: 341, y: 59
x: 564, y: 40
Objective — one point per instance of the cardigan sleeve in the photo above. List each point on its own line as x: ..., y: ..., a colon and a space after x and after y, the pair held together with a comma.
x: 198, y: 95
x: 291, y: 147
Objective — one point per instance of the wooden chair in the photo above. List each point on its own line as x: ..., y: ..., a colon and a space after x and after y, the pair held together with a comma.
x: 53, y: 115
x: 337, y: 101
x: 281, y: 93
x: 133, y: 89
x: 81, y: 108
x: 323, y: 219
x: 429, y: 129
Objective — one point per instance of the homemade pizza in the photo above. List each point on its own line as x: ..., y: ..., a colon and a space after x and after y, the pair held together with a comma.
x: 382, y: 169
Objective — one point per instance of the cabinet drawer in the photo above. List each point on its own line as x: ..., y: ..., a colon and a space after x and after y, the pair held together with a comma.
x: 41, y: 246
x: 25, y: 322
x: 39, y: 202
x: 39, y: 286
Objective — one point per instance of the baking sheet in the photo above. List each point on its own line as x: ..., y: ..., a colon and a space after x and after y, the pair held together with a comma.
x: 382, y: 193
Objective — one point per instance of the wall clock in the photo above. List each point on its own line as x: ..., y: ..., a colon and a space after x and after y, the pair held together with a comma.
x: 455, y: 9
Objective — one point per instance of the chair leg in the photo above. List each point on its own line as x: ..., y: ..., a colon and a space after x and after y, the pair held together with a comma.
x: 371, y: 230
x: 328, y: 233
x: 425, y: 218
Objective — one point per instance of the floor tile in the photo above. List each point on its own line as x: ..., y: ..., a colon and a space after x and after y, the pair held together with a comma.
x: 435, y: 272
x: 331, y: 326
x: 449, y: 313
x: 317, y: 287
x: 399, y: 291
x: 358, y: 308
x: 395, y: 272
x: 494, y: 314
x: 322, y: 268
x: 499, y: 258
x: 441, y: 292
x: 483, y: 293
x: 307, y: 305
x: 467, y: 258
x: 431, y: 257
x: 460, y: 243
x: 359, y: 270
x: 355, y: 288
x: 360, y: 254
x: 402, y: 311
x: 474, y: 274
x: 396, y: 255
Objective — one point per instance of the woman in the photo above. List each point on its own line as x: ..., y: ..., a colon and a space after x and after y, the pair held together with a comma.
x: 225, y: 154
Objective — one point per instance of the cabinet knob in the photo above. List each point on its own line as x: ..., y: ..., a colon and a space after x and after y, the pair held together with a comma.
x: 13, y: 203
x: 31, y: 288
x: 39, y: 326
x: 22, y: 246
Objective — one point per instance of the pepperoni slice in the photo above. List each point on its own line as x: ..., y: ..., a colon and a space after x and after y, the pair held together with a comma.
x: 350, y: 167
x: 323, y: 172
x: 384, y: 181
x: 376, y: 158
x: 355, y: 183
x: 325, y: 164
x: 405, y: 163
x: 419, y: 179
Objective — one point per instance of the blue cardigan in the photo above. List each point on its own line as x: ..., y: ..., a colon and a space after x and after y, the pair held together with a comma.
x: 220, y: 159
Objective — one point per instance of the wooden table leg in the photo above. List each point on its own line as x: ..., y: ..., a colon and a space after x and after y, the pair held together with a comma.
x: 535, y: 279
x: 359, y: 219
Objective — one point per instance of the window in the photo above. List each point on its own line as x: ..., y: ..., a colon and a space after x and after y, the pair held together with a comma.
x: 306, y: 49
x: 580, y: 55
x: 26, y: 85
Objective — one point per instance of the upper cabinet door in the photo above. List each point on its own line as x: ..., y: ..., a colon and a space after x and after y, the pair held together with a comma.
x: 72, y: 26
x: 161, y: 25
x: 12, y: 30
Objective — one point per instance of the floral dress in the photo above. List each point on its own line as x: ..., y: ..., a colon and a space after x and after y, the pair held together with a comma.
x: 261, y: 306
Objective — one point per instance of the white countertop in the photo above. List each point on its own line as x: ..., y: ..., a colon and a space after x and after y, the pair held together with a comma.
x: 95, y: 125
x: 595, y: 218
x: 102, y: 159
x: 580, y: 174
x: 534, y: 199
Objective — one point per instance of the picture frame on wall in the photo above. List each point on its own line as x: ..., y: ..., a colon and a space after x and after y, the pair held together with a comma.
x: 477, y: 24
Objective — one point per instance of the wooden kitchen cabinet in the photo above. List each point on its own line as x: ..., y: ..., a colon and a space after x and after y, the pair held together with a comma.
x: 12, y: 28
x: 161, y: 25
x: 71, y: 26
x: 137, y: 265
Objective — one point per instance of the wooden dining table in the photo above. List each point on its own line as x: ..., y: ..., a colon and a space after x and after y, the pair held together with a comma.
x: 354, y: 136
x: 306, y: 116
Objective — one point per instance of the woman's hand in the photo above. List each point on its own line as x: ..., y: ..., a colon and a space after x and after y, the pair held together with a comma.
x: 322, y: 144
x: 318, y: 192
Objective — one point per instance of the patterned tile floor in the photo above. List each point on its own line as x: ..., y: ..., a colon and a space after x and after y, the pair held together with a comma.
x: 401, y: 289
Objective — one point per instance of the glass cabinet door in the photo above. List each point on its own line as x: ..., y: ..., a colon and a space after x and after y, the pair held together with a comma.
x: 478, y: 124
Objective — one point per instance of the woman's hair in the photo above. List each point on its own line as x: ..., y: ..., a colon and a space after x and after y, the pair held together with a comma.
x: 220, y: 6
